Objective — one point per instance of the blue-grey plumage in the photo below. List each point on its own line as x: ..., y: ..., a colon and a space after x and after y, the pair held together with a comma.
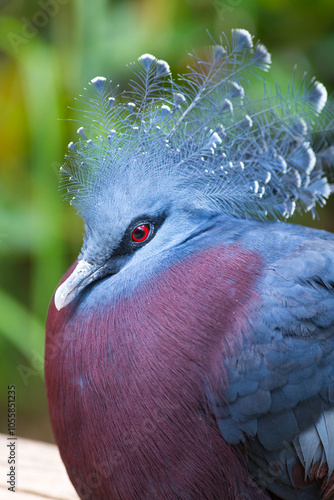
x: 175, y: 182
x: 205, y: 135
x: 280, y: 392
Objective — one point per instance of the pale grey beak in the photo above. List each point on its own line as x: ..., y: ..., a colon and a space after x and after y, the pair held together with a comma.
x: 83, y: 275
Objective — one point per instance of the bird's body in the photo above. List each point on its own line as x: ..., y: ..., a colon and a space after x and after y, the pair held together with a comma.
x: 152, y: 388
x: 193, y: 353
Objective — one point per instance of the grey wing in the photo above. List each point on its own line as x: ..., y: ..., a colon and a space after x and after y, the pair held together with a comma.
x: 280, y: 395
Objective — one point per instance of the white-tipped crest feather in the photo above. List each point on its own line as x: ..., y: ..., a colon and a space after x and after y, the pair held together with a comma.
x: 188, y: 133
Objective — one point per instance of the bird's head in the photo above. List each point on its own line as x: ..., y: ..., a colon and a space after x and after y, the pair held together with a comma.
x: 152, y: 163
x: 145, y: 215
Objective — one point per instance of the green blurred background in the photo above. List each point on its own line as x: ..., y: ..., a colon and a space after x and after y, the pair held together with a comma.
x: 49, y: 50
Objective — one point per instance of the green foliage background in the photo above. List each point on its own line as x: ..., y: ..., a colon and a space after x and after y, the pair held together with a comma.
x: 49, y: 50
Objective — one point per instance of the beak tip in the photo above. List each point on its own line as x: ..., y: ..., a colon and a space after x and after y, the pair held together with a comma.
x: 59, y: 300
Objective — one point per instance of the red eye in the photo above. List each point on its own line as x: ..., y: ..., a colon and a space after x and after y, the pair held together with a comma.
x: 140, y: 233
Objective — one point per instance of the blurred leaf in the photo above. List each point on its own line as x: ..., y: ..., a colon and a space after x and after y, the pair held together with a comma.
x: 20, y: 326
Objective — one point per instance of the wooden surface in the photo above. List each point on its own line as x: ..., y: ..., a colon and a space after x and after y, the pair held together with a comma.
x: 40, y: 473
